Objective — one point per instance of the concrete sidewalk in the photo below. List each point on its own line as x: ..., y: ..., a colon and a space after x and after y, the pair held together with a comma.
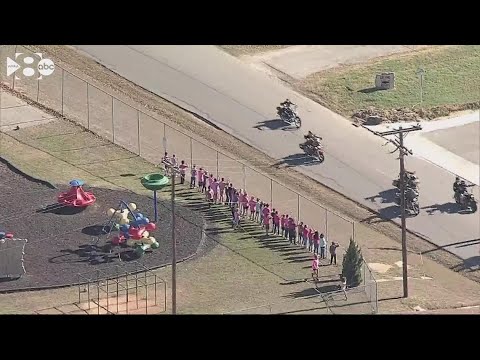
x: 303, y: 60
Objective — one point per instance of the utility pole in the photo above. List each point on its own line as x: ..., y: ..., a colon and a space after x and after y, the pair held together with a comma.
x: 403, y: 151
x: 174, y: 248
x: 174, y: 170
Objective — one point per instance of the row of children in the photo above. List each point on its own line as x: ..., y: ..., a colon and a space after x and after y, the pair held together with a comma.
x: 218, y: 191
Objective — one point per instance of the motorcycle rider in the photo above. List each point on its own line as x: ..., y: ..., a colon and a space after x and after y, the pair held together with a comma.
x: 287, y: 107
x: 287, y: 103
x: 312, y: 140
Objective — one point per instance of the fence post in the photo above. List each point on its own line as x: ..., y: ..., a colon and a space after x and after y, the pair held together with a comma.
x: 113, y: 122
x: 271, y: 193
x: 217, y: 163
x: 38, y: 92
x: 13, y: 83
x: 298, y: 208
x: 191, y: 153
x: 244, y: 178
x: 88, y: 108
x: 138, y: 133
x: 326, y: 223
x: 63, y: 80
x: 353, y: 230
x: 164, y: 138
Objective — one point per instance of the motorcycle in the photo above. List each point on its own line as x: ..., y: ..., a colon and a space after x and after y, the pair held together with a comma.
x: 466, y: 201
x: 316, y: 152
x: 413, y: 183
x: 412, y: 207
x: 289, y: 115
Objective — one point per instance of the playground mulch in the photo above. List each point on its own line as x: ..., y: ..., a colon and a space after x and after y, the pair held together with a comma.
x: 62, y: 244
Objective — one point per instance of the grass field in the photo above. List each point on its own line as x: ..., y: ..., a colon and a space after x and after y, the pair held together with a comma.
x: 452, y: 80
x: 245, y: 269
x: 239, y: 50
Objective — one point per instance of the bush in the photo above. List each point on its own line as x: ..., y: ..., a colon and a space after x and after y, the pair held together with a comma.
x: 352, y: 265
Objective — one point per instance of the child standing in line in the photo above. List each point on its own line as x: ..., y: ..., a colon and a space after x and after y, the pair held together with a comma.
x: 315, y: 267
x: 244, y: 204
x: 293, y: 232
x: 316, y: 242
x: 300, y: 233
x: 282, y: 224
x: 252, y: 205
x: 193, y: 176
x: 266, y: 211
x: 204, y: 180
x: 221, y: 191
x: 258, y: 209
x: 209, y: 196
x: 173, y: 161
x: 305, y: 236
x: 228, y: 194
x: 266, y: 222
x: 214, y: 187
x: 276, y: 223
x: 236, y: 218
x: 262, y: 206
x: 310, y: 240
x: 200, y: 179
x: 183, y: 169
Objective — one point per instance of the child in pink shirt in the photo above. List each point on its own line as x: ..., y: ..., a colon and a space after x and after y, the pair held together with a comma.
x: 300, y: 233
x: 209, y: 180
x: 283, y: 222
x: 251, y: 204
x: 305, y: 235
x: 214, y: 187
x: 193, y: 177
x: 315, y: 267
x: 266, y: 222
x: 276, y: 223
x: 200, y: 178
x: 221, y: 190
x: 310, y: 240
x: 244, y: 201
x: 266, y: 210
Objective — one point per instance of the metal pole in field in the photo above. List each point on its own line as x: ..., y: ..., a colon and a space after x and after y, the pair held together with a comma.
x: 421, y: 74
x: 404, y: 222
x: 403, y: 151
x: 174, y: 251
x: 155, y: 209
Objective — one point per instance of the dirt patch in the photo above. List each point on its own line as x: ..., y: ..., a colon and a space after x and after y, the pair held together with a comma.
x: 61, y: 244
x: 363, y: 116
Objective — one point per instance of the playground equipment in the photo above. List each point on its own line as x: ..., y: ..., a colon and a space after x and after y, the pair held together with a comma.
x: 134, y: 228
x: 76, y: 196
x: 11, y: 256
x: 154, y: 182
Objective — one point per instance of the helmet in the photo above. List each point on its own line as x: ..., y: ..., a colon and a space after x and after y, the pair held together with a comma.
x: 457, y: 178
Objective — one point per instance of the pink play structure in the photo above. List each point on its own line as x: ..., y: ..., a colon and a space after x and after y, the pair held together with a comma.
x: 76, y: 196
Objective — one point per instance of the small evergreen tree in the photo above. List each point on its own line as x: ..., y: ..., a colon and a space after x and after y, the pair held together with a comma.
x: 352, y: 265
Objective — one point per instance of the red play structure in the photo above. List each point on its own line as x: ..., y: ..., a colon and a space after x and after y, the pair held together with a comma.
x: 76, y: 196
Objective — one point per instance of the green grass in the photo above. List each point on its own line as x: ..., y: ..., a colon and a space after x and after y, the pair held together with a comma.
x: 240, y: 257
x: 452, y: 78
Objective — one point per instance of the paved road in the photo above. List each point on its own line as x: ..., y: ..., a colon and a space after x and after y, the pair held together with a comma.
x: 222, y: 89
